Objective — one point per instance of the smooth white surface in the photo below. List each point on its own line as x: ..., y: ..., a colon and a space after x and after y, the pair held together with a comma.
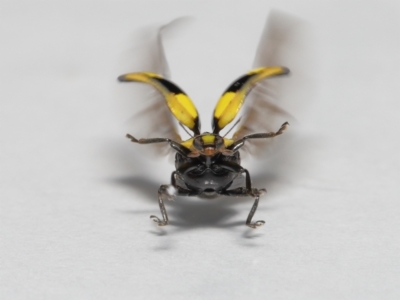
x: 76, y: 195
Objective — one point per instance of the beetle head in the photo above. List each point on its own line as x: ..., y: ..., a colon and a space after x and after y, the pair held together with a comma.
x: 208, y: 144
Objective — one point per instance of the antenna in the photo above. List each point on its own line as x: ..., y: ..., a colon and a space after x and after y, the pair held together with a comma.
x: 185, y: 129
x: 232, y: 127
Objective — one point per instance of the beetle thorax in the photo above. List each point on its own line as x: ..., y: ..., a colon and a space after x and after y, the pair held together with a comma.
x: 208, y: 145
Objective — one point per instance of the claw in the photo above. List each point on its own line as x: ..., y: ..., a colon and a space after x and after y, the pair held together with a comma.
x: 283, y: 127
x: 256, y: 224
x: 256, y: 192
x: 133, y: 139
x: 158, y: 221
x: 262, y: 191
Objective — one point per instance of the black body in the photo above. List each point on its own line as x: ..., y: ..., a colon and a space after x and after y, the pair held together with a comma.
x: 206, y: 176
x: 209, y: 169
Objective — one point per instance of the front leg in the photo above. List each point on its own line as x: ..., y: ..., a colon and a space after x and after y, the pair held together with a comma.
x: 174, y: 145
x: 240, y: 143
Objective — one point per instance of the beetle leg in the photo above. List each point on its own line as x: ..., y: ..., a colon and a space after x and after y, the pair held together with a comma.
x: 248, y: 191
x: 176, y: 146
x: 162, y: 193
x: 252, y: 212
x: 256, y: 194
x: 240, y: 143
x: 244, y: 192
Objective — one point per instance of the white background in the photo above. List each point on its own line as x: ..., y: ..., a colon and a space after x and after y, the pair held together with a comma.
x: 76, y: 195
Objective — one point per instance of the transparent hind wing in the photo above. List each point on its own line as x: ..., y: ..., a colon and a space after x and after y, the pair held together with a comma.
x: 153, y: 117
x: 268, y: 104
x: 286, y: 40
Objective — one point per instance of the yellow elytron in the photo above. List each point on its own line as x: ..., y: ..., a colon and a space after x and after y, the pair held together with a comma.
x: 207, y: 165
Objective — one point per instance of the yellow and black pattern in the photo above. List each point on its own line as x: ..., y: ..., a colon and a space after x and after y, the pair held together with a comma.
x: 207, y: 140
x: 178, y: 102
x: 233, y: 98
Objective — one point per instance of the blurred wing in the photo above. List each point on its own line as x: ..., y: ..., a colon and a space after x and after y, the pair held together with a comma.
x: 286, y: 40
x: 263, y: 111
x: 233, y: 98
x: 153, y: 105
x: 176, y: 99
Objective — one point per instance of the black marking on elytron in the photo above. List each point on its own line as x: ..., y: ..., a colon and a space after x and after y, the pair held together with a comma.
x: 237, y: 85
x: 173, y: 88
x: 169, y: 85
x: 197, y: 125
x: 216, y: 128
x: 202, y: 140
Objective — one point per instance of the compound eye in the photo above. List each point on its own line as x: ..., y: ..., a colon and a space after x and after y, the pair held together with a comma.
x: 197, y: 143
x: 219, y: 142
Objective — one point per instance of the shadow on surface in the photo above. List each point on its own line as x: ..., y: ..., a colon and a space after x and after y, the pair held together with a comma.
x: 189, y: 212
x: 144, y: 186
